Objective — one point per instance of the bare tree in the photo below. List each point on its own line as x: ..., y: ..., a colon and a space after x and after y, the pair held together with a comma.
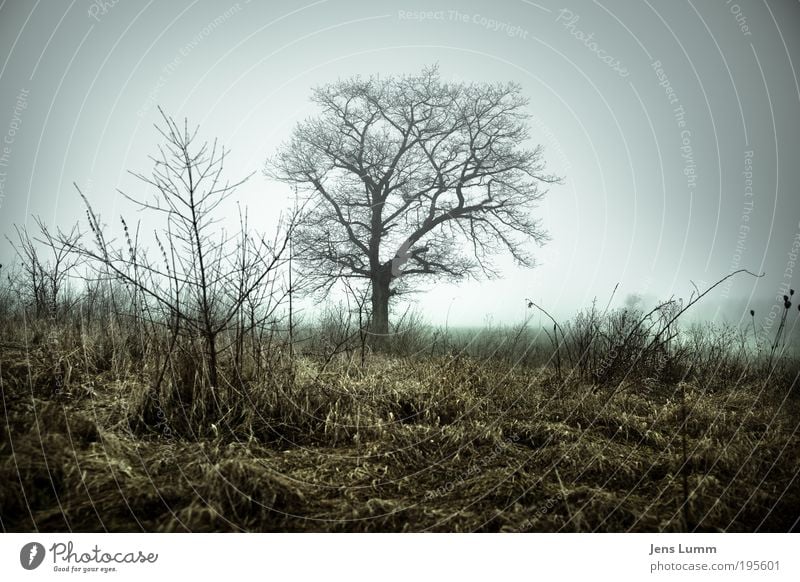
x: 412, y: 176
x: 47, y: 262
x: 204, y: 276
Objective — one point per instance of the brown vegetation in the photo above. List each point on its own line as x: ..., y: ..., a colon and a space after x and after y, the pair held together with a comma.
x: 478, y: 433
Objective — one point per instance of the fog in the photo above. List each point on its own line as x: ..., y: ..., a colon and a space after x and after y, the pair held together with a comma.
x: 674, y: 125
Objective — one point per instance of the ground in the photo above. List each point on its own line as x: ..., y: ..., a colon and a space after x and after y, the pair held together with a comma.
x: 401, y: 444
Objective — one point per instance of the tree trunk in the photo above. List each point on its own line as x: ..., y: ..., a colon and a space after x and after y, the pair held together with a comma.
x: 211, y: 354
x: 380, y: 306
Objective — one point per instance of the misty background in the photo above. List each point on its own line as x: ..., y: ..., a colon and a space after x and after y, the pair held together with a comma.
x: 674, y: 124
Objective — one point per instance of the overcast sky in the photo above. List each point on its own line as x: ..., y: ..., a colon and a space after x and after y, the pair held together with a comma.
x: 674, y: 123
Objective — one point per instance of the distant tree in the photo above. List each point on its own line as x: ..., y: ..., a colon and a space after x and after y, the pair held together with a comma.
x: 412, y: 176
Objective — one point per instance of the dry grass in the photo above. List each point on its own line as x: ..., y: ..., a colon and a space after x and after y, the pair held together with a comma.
x: 423, y: 442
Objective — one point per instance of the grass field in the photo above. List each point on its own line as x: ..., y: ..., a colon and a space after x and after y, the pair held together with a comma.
x: 493, y: 432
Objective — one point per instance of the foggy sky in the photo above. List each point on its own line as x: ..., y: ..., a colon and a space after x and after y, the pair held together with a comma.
x: 675, y: 124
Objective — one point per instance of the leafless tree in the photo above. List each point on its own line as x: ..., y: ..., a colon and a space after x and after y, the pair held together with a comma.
x: 412, y: 176
x: 204, y: 276
x: 47, y: 262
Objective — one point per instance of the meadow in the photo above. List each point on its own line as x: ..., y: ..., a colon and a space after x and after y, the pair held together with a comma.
x: 617, y: 420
